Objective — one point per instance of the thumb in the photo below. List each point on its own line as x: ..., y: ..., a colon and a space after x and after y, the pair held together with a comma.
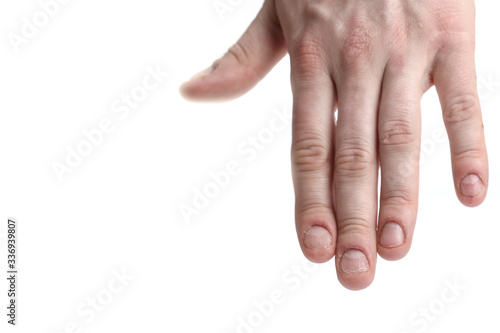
x: 245, y: 63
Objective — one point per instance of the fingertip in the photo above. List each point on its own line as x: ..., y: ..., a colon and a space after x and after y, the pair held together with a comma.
x: 395, y: 238
x: 318, y: 244
x: 392, y: 235
x: 190, y: 91
x: 393, y: 254
x: 199, y: 88
x: 258, y: 50
x: 186, y: 91
x: 354, y: 270
x: 471, y: 189
x: 318, y: 237
x: 224, y: 81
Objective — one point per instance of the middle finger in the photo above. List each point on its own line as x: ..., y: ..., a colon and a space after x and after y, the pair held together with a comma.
x: 356, y: 167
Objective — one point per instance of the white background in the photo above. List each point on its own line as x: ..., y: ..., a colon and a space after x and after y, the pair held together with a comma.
x: 119, y: 209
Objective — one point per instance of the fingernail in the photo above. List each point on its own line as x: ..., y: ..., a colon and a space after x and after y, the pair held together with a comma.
x: 392, y: 235
x: 317, y: 238
x: 203, y: 73
x: 353, y: 261
x: 471, y: 185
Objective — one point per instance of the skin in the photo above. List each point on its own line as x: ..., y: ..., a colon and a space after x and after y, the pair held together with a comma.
x: 372, y: 60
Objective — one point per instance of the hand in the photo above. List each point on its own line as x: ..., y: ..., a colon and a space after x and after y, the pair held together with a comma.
x: 372, y: 60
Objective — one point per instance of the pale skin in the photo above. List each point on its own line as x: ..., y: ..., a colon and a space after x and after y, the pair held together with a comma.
x: 371, y: 61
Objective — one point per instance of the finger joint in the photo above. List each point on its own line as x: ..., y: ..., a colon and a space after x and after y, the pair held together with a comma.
x: 398, y: 132
x: 353, y: 159
x: 354, y: 225
x: 311, y: 152
x: 397, y: 198
x: 461, y: 109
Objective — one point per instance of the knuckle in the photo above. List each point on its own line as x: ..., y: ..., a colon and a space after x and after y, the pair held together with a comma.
x: 242, y: 55
x: 449, y: 30
x: 460, y: 109
x: 357, y: 47
x: 397, y: 198
x: 397, y: 132
x: 305, y: 208
x: 354, y: 225
x: 449, y: 18
x: 469, y: 152
x: 308, y: 54
x: 399, y: 37
x: 310, y: 152
x: 239, y: 52
x: 353, y: 159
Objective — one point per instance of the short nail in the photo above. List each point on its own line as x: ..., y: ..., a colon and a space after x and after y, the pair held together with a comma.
x: 353, y: 261
x: 203, y: 73
x: 471, y: 185
x: 392, y: 235
x: 317, y: 238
